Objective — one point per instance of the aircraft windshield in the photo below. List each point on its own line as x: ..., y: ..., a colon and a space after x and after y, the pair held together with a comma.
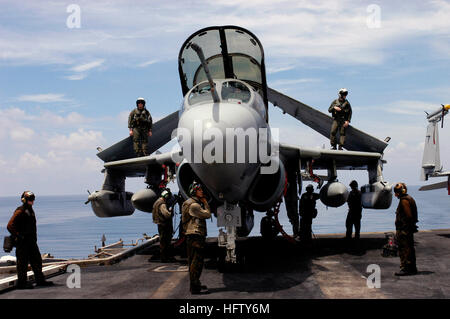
x: 231, y: 53
x: 200, y: 94
x: 235, y: 92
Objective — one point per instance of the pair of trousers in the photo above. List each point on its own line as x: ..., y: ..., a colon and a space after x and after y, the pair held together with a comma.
x: 195, y: 252
x: 27, y: 251
x: 406, y: 251
x: 337, y: 125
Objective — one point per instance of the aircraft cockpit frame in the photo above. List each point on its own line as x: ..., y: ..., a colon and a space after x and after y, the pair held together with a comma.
x: 229, y: 91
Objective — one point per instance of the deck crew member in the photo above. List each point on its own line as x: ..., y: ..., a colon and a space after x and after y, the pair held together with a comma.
x: 405, y: 224
x: 195, y: 211
x: 341, y: 112
x: 22, y: 227
x: 140, y: 125
x: 162, y: 217
x: 308, y: 212
x: 354, y: 211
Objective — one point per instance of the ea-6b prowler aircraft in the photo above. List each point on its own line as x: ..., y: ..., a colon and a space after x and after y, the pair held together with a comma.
x: 431, y: 161
x: 226, y: 143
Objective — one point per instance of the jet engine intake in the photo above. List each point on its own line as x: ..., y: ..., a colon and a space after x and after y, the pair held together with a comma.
x: 377, y: 195
x: 267, y: 188
x: 185, y: 177
x: 334, y: 194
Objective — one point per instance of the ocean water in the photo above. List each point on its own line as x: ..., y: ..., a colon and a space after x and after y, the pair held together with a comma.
x: 67, y: 228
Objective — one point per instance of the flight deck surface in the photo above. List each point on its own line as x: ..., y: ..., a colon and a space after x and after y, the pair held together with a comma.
x: 271, y: 270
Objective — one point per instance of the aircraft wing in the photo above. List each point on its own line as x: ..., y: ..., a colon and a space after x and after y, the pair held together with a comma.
x: 349, y: 160
x: 161, y: 135
x: 433, y: 186
x: 137, y: 167
x: 356, y: 140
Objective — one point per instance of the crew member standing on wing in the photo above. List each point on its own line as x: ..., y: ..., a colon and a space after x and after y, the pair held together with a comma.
x: 405, y: 224
x: 195, y: 211
x: 140, y: 125
x: 341, y: 112
x: 22, y: 227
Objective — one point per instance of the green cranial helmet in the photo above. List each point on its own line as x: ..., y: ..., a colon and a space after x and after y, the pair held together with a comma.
x: 165, y: 193
x: 194, y: 187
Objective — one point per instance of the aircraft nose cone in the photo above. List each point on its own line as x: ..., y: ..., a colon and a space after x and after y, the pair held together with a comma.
x: 228, y: 182
x: 218, y: 133
x: 221, y: 144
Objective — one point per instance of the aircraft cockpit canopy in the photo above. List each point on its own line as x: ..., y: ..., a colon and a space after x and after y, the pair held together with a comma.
x: 231, y: 53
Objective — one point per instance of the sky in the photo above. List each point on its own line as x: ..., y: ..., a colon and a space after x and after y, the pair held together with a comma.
x: 70, y: 73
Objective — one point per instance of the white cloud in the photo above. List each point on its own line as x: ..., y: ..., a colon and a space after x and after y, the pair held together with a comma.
x: 75, y: 77
x: 30, y: 161
x: 21, y: 127
x: 73, y: 118
x: 19, y: 134
x: 2, y: 161
x: 13, y: 113
x: 92, y: 165
x: 410, y: 107
x: 87, y: 66
x: 9, y: 122
x: 145, y: 64
x: 59, y: 156
x: 289, y: 82
x: 42, y: 98
x: 326, y: 30
x: 81, y: 70
x: 279, y: 68
x: 80, y: 140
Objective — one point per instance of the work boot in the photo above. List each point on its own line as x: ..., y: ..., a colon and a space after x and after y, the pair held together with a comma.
x: 413, y: 270
x: 199, y: 291
x: 403, y: 273
x: 44, y: 283
x: 196, y: 290
x: 333, y: 147
x: 340, y: 148
x: 24, y: 286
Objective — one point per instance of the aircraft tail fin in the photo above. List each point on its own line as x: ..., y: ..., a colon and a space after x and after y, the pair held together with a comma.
x: 431, y: 161
x: 161, y: 134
